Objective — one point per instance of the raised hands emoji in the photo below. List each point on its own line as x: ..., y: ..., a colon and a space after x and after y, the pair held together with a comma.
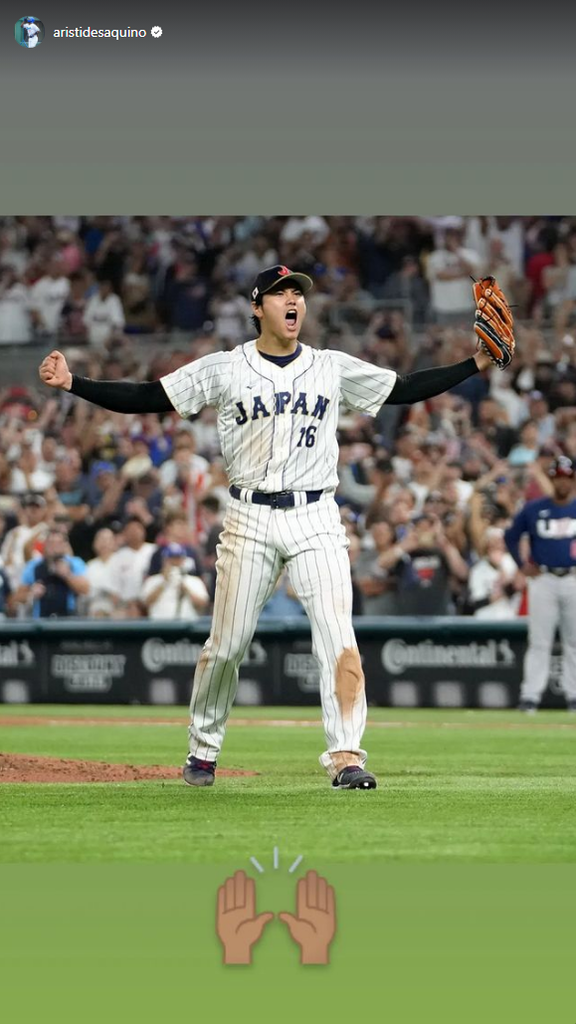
x: 237, y: 924
x: 313, y: 925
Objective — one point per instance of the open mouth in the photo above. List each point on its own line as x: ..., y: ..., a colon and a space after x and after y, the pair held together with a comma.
x: 291, y: 317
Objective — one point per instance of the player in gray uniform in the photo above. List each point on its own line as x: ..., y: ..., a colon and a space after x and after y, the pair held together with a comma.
x: 550, y: 525
x: 278, y: 406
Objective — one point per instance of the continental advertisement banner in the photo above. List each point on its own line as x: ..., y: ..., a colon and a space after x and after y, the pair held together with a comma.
x: 440, y: 662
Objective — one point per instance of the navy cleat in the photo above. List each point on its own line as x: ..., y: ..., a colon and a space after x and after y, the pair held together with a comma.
x: 529, y: 707
x: 354, y: 777
x: 197, y: 772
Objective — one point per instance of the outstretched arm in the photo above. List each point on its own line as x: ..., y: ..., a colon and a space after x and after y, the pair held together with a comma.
x: 116, y: 395
x: 424, y: 384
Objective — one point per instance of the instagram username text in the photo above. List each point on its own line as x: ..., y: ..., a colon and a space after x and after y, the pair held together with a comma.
x: 99, y: 33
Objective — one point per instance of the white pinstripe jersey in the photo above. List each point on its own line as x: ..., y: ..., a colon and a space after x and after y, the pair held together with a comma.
x: 277, y: 425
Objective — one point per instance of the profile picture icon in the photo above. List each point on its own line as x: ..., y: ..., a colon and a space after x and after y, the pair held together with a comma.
x: 29, y: 32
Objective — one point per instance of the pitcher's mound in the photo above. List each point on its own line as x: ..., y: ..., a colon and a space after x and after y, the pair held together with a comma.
x: 22, y: 768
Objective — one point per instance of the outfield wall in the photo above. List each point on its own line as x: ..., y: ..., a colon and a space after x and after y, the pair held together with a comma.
x: 428, y: 662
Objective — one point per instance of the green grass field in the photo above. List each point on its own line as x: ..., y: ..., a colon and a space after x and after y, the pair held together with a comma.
x: 453, y: 786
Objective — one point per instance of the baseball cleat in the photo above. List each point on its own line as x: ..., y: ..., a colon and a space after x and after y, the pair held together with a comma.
x: 571, y: 705
x: 197, y: 772
x: 529, y: 707
x: 354, y: 777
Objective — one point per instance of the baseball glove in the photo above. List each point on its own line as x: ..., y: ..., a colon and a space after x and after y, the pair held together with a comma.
x: 493, y: 322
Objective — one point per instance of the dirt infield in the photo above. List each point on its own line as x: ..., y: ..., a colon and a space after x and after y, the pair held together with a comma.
x: 22, y: 768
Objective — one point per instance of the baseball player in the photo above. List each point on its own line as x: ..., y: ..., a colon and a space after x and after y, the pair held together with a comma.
x: 550, y: 524
x: 278, y: 408
x: 31, y: 32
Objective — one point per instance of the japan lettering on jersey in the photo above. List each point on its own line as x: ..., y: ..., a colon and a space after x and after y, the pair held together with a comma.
x: 277, y: 425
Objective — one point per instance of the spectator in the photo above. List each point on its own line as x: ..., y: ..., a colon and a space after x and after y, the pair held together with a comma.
x: 48, y: 452
x: 104, y: 317
x: 21, y: 540
x: 6, y: 596
x: 495, y: 585
x: 494, y: 426
x: 205, y: 433
x: 48, y: 297
x: 72, y: 324
x: 15, y: 319
x: 177, y: 531
x: 254, y: 258
x: 8, y: 501
x: 500, y: 266
x: 52, y: 584
x: 231, y: 313
x: 449, y: 270
x: 542, y: 256
x: 102, y: 600
x: 175, y: 593
x: 104, y: 491
x: 426, y: 565
x: 187, y: 297
x: 211, y: 516
x: 376, y: 584
x: 137, y: 292
x: 217, y: 484
x: 502, y: 391
x: 69, y: 481
x: 313, y: 228
x: 128, y: 567
x: 539, y: 411
x: 185, y: 468
x: 184, y: 478
x: 559, y: 281
x: 407, y: 286
x: 26, y: 474
x: 523, y: 453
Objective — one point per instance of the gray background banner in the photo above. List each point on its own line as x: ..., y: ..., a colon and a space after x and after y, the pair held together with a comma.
x: 289, y: 109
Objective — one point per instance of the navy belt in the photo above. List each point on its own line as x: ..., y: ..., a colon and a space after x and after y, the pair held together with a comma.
x: 558, y: 570
x: 277, y: 499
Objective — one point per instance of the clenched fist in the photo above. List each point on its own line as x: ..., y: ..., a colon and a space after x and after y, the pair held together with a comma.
x: 54, y: 371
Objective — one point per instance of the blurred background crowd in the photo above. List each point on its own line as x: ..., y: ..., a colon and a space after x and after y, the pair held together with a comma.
x: 116, y: 516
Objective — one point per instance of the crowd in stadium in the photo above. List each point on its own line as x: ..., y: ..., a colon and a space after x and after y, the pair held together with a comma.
x: 117, y: 516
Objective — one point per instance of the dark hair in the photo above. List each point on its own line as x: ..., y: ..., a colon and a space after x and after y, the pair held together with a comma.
x: 133, y: 519
x: 211, y: 503
x: 54, y: 532
x: 254, y: 319
x: 377, y: 515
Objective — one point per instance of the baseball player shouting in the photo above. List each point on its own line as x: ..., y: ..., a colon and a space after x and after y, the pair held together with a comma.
x: 550, y: 524
x: 278, y: 406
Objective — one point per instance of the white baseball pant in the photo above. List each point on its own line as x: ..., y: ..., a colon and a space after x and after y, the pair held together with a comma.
x: 256, y: 542
x: 551, y: 604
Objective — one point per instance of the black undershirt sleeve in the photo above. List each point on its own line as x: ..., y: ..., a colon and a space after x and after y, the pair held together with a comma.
x: 122, y: 395
x: 150, y: 396
x: 423, y: 384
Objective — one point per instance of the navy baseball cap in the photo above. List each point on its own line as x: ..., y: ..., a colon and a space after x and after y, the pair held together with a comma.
x: 174, y: 551
x: 279, y: 274
x: 103, y: 467
x: 562, y: 466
